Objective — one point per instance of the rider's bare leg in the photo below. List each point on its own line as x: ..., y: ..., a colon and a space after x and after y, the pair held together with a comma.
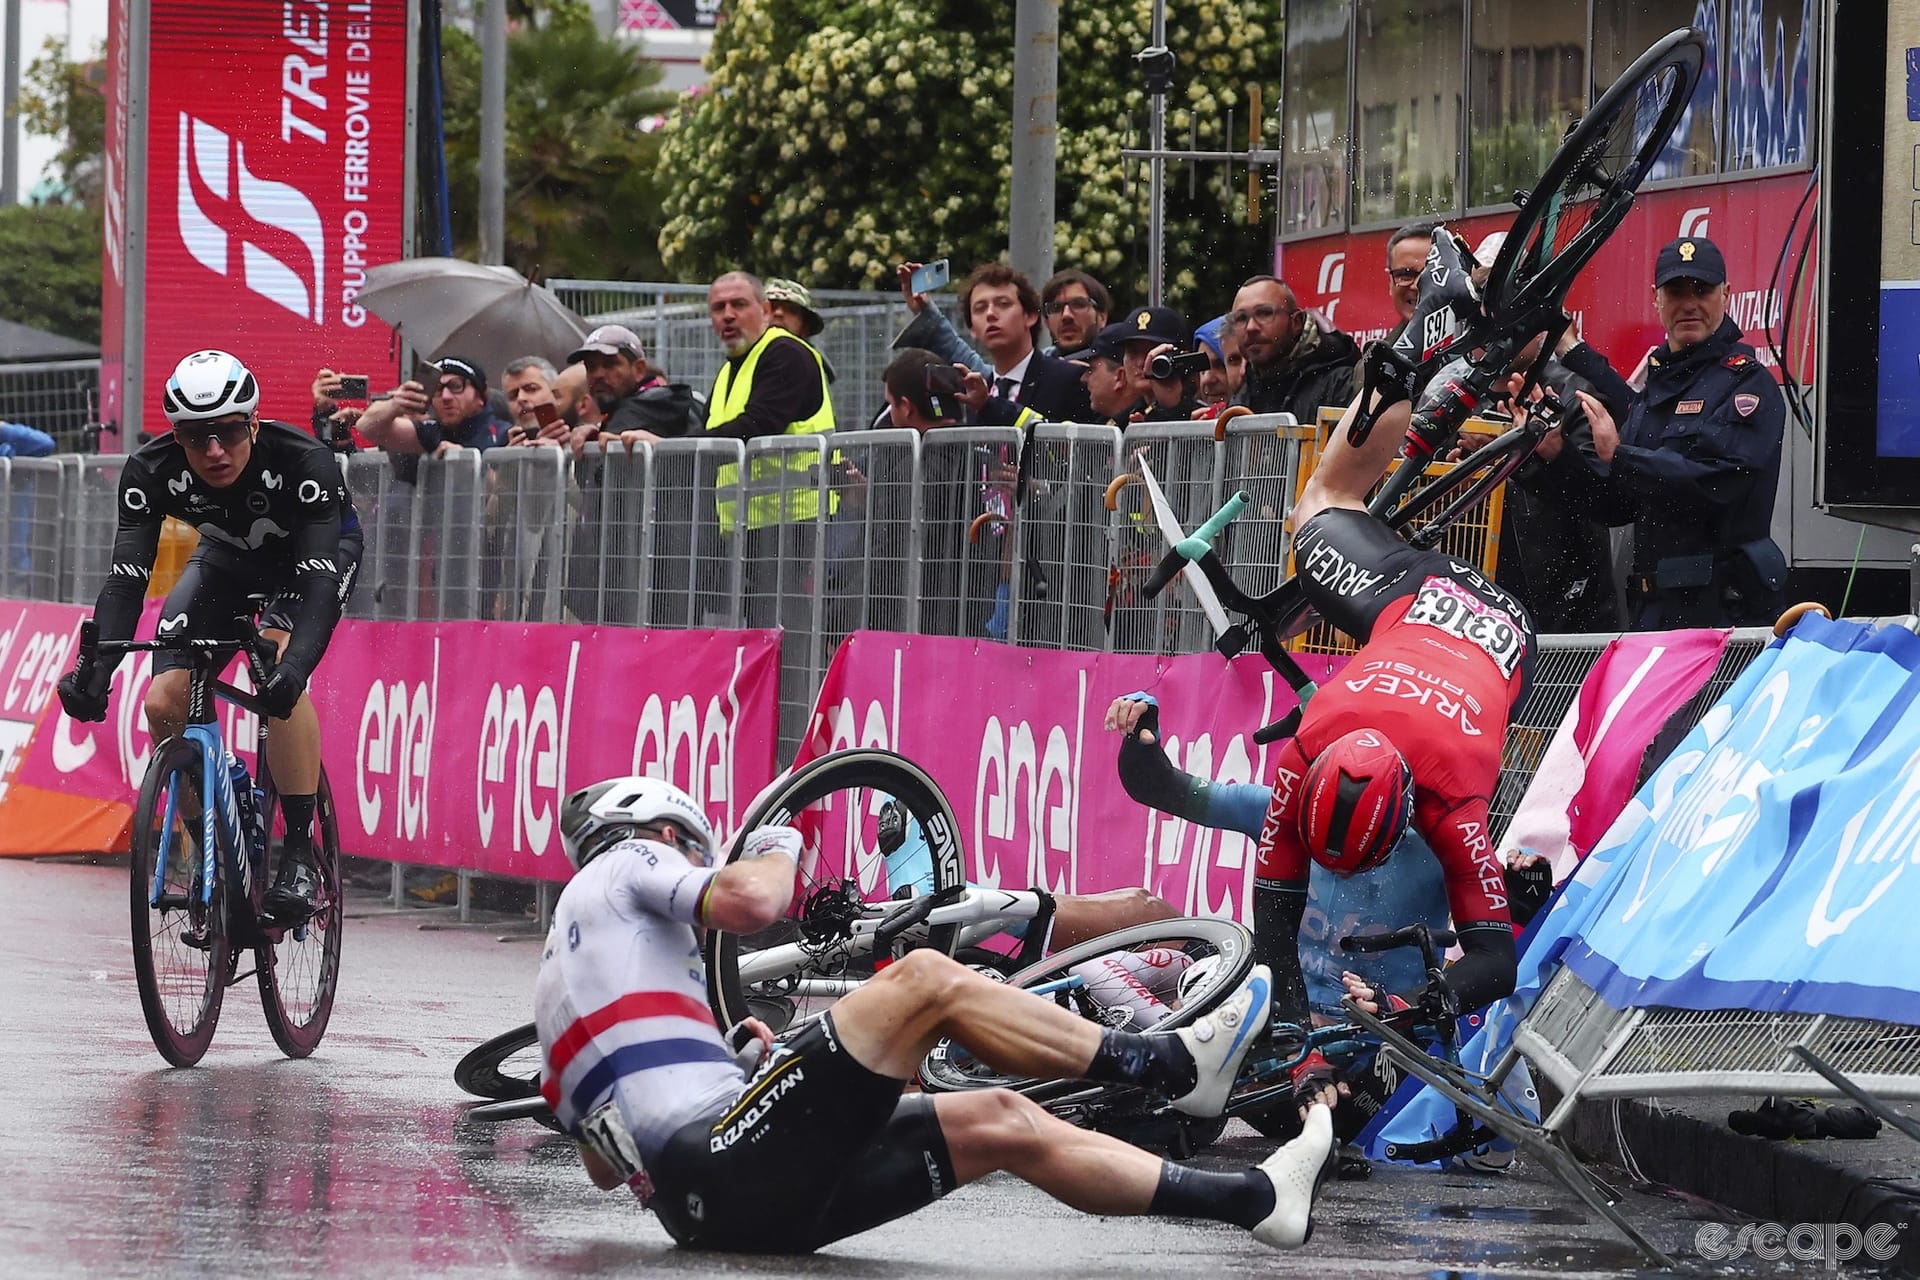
x: 1346, y: 473
x: 166, y: 704
x: 1079, y: 916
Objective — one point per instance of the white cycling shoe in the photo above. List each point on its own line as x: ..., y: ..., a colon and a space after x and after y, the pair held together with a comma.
x: 1296, y: 1171
x: 1221, y: 1041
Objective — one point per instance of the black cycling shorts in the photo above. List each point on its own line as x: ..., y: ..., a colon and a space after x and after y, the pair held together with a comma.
x: 816, y: 1149
x: 214, y: 593
x: 1352, y: 567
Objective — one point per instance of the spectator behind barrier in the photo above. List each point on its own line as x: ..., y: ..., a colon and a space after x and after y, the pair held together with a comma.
x: 1296, y: 361
x: 460, y: 418
x: 1075, y: 307
x: 529, y: 388
x: 790, y: 306
x: 20, y: 441
x: 1003, y: 314
x: 637, y: 402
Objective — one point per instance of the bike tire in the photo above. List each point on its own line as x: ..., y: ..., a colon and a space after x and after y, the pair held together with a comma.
x: 500, y: 1069
x: 181, y: 982
x: 1589, y: 185
x: 859, y: 769
x: 944, y: 1070
x: 299, y: 972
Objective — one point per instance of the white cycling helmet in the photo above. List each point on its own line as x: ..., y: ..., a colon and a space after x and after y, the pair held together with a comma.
x: 595, y: 818
x: 209, y: 384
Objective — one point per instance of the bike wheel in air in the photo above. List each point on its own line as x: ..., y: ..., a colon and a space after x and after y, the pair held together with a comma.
x: 504, y: 1068
x: 181, y: 947
x: 299, y: 969
x: 949, y: 1068
x: 1590, y: 182
x: 839, y: 802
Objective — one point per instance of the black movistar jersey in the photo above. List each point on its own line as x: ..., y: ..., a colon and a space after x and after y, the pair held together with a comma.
x: 285, y: 516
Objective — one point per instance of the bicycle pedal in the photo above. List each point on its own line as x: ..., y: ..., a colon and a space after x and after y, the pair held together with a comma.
x: 196, y: 939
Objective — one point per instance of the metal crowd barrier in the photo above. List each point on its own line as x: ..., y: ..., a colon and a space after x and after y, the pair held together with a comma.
x: 33, y: 528
x: 54, y: 396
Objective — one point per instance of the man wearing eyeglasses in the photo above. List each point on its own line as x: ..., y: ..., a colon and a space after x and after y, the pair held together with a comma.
x: 1075, y: 306
x: 1406, y: 257
x: 1296, y: 361
x: 453, y: 415
x: 1692, y: 462
x: 274, y: 518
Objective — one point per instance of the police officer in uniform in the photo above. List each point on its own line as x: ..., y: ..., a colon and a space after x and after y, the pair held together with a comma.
x: 1693, y: 461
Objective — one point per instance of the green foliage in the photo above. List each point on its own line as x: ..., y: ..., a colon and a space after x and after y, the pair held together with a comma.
x: 836, y: 137
x: 61, y: 99
x: 50, y: 268
x: 582, y: 192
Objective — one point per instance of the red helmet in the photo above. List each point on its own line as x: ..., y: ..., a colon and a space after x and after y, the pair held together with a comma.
x: 1359, y: 798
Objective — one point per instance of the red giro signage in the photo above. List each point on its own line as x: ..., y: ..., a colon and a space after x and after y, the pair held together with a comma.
x: 275, y: 163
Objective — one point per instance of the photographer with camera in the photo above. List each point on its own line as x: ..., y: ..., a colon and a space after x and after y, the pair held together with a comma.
x: 1158, y: 377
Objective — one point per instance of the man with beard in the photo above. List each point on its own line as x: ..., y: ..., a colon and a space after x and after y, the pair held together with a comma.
x: 1296, y: 362
x: 632, y: 395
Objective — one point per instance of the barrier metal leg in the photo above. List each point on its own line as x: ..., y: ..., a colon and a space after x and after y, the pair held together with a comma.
x: 1904, y: 1124
x: 1541, y: 1143
x: 397, y: 896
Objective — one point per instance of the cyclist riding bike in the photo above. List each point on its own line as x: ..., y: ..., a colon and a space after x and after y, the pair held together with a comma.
x: 818, y: 1141
x: 274, y: 519
x: 1410, y: 731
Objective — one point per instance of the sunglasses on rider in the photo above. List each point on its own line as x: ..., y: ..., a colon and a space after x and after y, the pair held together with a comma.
x: 200, y: 439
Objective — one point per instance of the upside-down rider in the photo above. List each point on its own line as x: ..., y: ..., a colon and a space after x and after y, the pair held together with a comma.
x: 1411, y: 730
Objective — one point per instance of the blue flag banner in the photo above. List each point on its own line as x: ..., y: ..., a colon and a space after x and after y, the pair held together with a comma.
x: 1763, y: 866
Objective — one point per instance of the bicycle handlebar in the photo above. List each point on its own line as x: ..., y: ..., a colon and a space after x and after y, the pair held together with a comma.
x: 1414, y: 935
x: 92, y: 648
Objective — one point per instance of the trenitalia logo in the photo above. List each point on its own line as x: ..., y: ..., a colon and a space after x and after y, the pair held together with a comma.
x: 267, y: 210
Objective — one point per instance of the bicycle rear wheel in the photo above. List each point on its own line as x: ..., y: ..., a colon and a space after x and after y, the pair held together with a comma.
x: 838, y: 801
x: 503, y: 1068
x: 299, y: 969
x: 949, y: 1068
x: 1590, y: 182
x: 182, y: 951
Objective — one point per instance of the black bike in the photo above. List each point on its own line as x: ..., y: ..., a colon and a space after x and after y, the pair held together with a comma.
x: 206, y: 839
x: 1462, y: 342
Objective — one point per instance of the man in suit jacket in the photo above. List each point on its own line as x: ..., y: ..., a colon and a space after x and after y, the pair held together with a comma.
x: 1003, y: 314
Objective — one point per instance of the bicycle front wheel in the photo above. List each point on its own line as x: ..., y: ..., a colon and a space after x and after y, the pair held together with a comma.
x: 299, y: 969
x: 503, y: 1068
x: 181, y: 947
x: 1590, y: 182
x: 841, y: 802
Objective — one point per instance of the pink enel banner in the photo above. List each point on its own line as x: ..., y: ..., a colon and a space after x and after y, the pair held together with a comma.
x: 1015, y: 739
x: 454, y: 743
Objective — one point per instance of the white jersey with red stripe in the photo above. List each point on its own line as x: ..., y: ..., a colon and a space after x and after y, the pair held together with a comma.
x: 621, y: 1001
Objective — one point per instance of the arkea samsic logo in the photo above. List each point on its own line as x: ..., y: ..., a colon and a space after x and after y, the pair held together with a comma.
x: 245, y: 207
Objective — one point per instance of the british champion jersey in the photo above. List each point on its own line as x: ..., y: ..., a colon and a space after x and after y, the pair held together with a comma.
x: 621, y: 1001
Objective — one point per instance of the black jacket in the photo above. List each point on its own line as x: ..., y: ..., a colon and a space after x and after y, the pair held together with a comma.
x: 668, y: 409
x: 1053, y: 389
x: 1696, y: 474
x: 1302, y: 382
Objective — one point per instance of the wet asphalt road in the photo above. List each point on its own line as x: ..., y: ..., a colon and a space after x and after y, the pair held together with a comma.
x: 358, y: 1163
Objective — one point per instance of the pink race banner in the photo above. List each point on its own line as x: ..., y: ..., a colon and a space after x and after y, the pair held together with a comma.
x: 1592, y: 765
x: 454, y: 743
x: 1015, y: 739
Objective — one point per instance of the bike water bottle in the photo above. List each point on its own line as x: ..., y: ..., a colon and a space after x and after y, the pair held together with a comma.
x: 246, y: 800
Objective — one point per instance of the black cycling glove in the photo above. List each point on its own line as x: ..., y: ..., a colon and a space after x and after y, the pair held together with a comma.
x: 280, y: 694
x: 85, y: 699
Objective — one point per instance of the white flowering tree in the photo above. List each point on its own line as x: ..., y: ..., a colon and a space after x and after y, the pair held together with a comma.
x: 837, y: 137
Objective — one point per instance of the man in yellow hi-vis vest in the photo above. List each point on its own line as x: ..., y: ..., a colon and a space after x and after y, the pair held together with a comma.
x: 772, y: 384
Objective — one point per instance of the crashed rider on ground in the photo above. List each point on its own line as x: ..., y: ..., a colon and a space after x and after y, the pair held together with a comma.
x: 275, y: 519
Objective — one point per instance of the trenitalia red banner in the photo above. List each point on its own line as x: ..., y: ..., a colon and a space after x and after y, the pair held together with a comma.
x: 276, y: 153
x: 1344, y: 277
x: 439, y: 749
x: 1015, y: 739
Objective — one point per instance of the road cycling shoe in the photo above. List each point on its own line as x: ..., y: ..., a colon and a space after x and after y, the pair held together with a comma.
x: 1296, y: 1172
x: 295, y: 886
x: 1221, y: 1041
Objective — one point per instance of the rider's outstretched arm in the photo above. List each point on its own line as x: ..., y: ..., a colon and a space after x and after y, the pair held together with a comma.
x: 1346, y: 472
x: 1152, y: 779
